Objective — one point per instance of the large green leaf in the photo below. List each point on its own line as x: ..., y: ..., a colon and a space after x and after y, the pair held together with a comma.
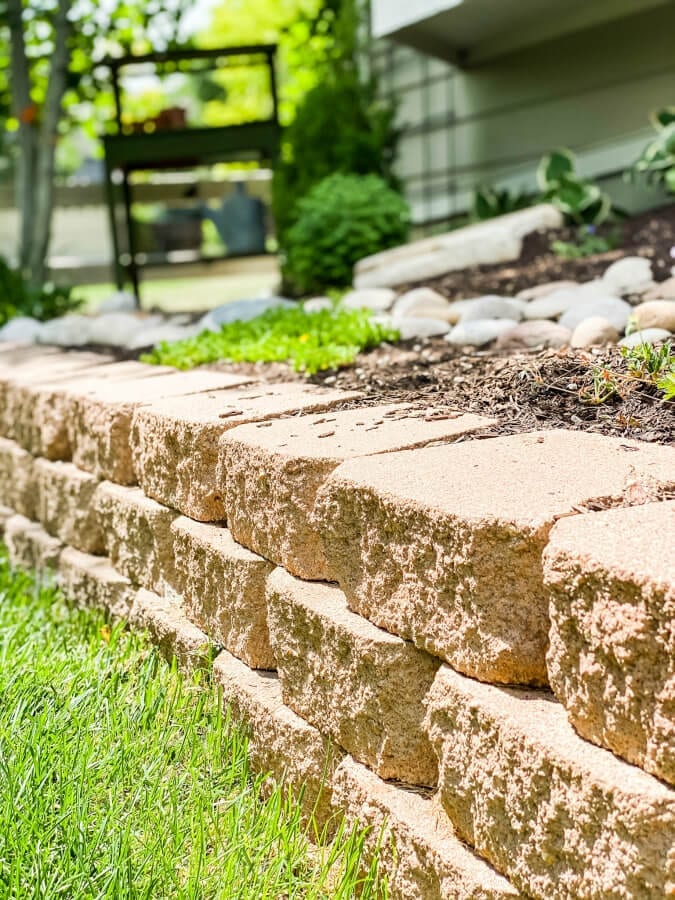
x: 553, y: 167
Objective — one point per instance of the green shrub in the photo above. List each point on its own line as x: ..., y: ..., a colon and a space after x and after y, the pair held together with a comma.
x: 341, y: 220
x: 340, y: 126
x: 580, y: 201
x: 18, y: 298
x: 657, y: 160
x: 490, y: 202
x: 308, y: 341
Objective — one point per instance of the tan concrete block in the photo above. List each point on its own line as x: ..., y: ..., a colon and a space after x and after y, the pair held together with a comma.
x: 170, y: 630
x: 416, y: 846
x: 443, y: 545
x: 358, y: 684
x: 65, y: 505
x: 5, y: 514
x: 559, y: 816
x: 175, y: 443
x: 611, y: 661
x: 40, y: 408
x: 137, y: 535
x: 272, y: 475
x: 223, y: 589
x: 280, y: 743
x: 18, y: 485
x: 100, y: 427
x: 91, y: 581
x: 29, y: 546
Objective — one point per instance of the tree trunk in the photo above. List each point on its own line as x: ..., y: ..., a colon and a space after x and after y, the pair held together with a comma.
x: 45, y: 165
x: 23, y: 111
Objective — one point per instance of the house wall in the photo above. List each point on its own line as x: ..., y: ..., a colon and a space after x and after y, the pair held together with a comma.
x: 490, y: 124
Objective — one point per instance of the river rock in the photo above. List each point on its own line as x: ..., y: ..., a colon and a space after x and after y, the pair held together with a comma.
x: 164, y: 332
x: 120, y: 301
x: 593, y: 332
x: 22, y: 330
x: 317, y: 304
x: 543, y: 290
x: 647, y: 336
x: 630, y: 275
x: 478, y: 332
x: 411, y: 327
x: 493, y: 307
x: 655, y: 314
x: 423, y: 303
x: 240, y: 311
x: 378, y: 299
x: 535, y: 333
x: 665, y: 290
x: 67, y: 331
x: 613, y: 309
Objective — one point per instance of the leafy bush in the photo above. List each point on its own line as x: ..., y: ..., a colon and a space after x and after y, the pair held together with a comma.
x: 341, y: 220
x: 657, y: 160
x: 310, y: 341
x: 581, y: 201
x: 340, y: 126
x: 489, y: 202
x: 18, y: 298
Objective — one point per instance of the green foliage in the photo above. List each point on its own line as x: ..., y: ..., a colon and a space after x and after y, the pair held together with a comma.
x: 341, y: 220
x: 19, y: 298
x: 310, y: 342
x: 588, y: 243
x: 490, y: 202
x: 123, y: 779
x: 581, y: 201
x: 667, y: 384
x: 649, y: 362
x: 657, y: 160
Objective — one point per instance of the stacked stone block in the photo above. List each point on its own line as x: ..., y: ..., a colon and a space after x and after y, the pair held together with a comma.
x: 502, y: 622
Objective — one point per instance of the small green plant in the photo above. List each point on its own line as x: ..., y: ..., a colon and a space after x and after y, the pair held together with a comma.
x: 657, y: 160
x: 341, y: 220
x: 581, y: 201
x: 667, y: 384
x: 649, y: 362
x: 588, y: 243
x: 604, y: 387
x: 490, y: 202
x: 18, y: 298
x: 311, y: 342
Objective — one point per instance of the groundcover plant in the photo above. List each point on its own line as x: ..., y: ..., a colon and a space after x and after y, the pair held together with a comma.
x: 120, y: 778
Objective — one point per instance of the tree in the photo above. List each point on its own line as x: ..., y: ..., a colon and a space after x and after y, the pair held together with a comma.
x: 54, y: 82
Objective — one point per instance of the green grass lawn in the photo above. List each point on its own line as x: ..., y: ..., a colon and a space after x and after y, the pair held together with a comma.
x: 121, y: 779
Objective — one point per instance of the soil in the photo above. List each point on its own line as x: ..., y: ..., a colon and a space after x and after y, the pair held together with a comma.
x: 650, y: 234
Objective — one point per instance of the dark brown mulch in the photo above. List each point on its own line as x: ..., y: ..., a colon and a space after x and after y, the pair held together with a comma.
x: 650, y: 234
x: 525, y: 391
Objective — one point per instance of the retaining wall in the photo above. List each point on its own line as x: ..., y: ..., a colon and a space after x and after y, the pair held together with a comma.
x: 467, y: 644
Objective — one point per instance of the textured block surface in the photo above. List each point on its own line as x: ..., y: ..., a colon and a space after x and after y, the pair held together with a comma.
x: 18, y: 485
x: 29, y: 546
x: 170, y: 630
x: 443, y: 545
x: 611, y: 660
x: 65, y: 505
x: 419, y: 851
x: 92, y: 581
x: 175, y: 444
x: 137, y: 535
x: 99, y: 430
x: 271, y: 475
x: 281, y: 743
x: 362, y: 686
x: 559, y: 816
x: 223, y: 589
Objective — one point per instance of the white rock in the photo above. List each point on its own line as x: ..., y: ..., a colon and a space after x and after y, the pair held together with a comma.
x: 655, y: 314
x: 543, y: 290
x: 630, y: 275
x: 613, y: 309
x: 421, y: 302
x: 560, y: 301
x: 240, y: 311
x: 664, y: 290
x: 22, y: 330
x: 120, y: 301
x: 317, y: 304
x: 377, y: 299
x: 594, y: 332
x: 647, y: 336
x: 477, y: 332
x: 492, y: 307
x: 119, y: 329
x: 418, y: 327
x: 166, y: 331
x: 67, y: 331
x: 535, y: 333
